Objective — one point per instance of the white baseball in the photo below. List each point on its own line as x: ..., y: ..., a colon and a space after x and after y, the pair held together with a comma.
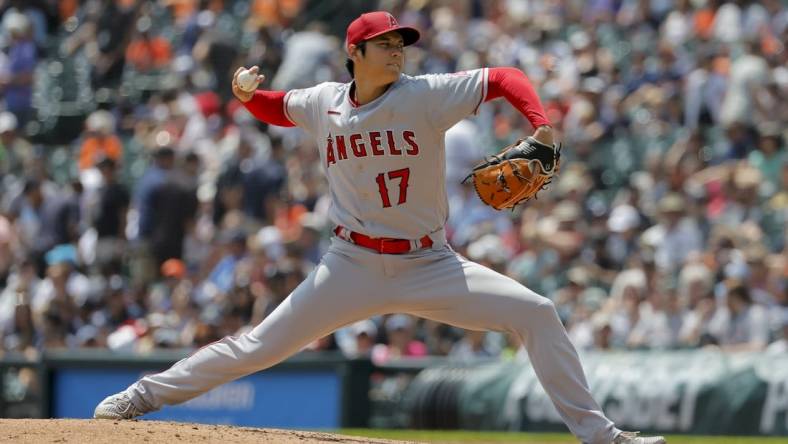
x: 247, y: 81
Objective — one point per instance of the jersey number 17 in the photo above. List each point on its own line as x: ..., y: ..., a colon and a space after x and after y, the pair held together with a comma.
x: 403, y: 175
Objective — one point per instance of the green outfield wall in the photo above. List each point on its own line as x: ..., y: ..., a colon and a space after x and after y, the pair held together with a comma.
x: 688, y: 392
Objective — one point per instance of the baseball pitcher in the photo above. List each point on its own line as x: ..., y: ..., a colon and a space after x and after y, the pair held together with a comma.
x: 381, y: 141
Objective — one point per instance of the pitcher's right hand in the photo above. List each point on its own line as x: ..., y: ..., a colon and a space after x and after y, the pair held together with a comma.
x: 245, y: 96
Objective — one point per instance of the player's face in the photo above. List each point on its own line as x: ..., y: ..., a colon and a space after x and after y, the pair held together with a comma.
x: 383, y: 58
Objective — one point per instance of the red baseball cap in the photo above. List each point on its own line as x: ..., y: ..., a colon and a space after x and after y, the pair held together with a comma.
x: 373, y: 24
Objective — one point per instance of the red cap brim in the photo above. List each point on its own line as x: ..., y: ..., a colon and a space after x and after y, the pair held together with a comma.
x: 409, y: 35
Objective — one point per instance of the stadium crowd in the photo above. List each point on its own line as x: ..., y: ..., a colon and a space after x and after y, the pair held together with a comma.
x: 142, y: 207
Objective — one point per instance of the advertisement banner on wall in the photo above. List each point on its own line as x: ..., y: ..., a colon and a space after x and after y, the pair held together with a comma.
x: 677, y: 392
x: 304, y: 399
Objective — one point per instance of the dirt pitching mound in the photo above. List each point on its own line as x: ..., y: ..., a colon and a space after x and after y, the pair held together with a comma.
x: 83, y: 431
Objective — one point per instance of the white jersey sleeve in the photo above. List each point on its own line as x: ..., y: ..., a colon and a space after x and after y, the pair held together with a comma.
x: 453, y: 97
x: 301, y: 107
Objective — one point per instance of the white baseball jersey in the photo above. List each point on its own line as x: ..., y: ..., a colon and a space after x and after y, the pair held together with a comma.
x: 384, y: 160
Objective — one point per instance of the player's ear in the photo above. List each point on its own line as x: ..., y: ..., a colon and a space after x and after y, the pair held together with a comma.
x: 353, y: 52
x: 356, y: 51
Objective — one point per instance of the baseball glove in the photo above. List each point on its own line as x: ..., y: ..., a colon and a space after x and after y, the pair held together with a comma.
x: 516, y: 174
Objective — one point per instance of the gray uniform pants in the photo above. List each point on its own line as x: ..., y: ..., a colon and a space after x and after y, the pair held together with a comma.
x: 353, y: 283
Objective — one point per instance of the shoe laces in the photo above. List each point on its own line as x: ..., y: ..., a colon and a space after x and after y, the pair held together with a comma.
x: 130, y: 410
x: 626, y: 435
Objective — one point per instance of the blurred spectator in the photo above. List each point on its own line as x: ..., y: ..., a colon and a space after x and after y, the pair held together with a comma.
x: 660, y: 320
x: 21, y: 284
x: 251, y: 177
x: 214, y: 53
x: 757, y: 277
x: 568, y: 297
x: 440, y: 338
x: 281, y: 279
x: 99, y: 140
x: 22, y: 59
x: 60, y: 217
x: 104, y: 33
x: 116, y: 310
x: 741, y: 325
x: 15, y: 151
x: 45, y: 221
x: 166, y: 205
x: 748, y: 72
x: 461, y: 154
x: 489, y: 251
x: 471, y: 346
x: 769, y: 157
x: 35, y: 12
x: 626, y: 295
x: 742, y: 204
x: 7, y: 259
x: 704, y: 92
x: 365, y: 333
x: 563, y: 233
x: 109, y: 217
x: 222, y: 277
x: 62, y: 280
x: 674, y: 236
x: 307, y: 60
x: 173, y: 272
x: 697, y: 328
x: 780, y: 346
x: 325, y: 344
x: 401, y: 341
x: 623, y: 223
x: 309, y: 244
x: 147, y: 52
x: 23, y: 336
x: 143, y: 261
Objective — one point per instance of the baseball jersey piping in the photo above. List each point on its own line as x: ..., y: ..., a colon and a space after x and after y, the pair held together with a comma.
x: 350, y: 98
x: 287, y: 113
x: 484, y: 80
x: 356, y: 105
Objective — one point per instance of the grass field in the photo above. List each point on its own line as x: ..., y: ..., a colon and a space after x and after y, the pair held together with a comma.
x: 535, y: 438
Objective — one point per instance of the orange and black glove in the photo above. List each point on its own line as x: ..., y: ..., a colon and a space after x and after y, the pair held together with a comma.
x: 516, y: 174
